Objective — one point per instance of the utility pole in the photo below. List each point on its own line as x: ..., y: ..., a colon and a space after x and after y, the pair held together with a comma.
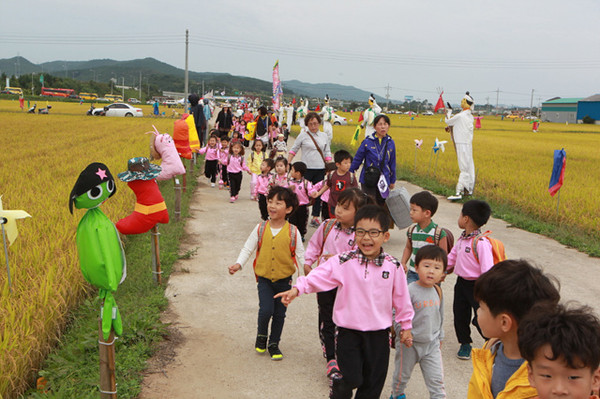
x: 123, y: 83
x: 140, y: 87
x: 187, y: 81
x: 202, y: 88
x: 531, y: 103
x: 387, y: 95
x: 497, y: 95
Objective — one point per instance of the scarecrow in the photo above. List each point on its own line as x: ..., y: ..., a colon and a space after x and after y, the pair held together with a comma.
x: 301, y: 114
x: 369, y: 115
x: 150, y: 207
x: 101, y: 255
x: 163, y: 146
x: 462, y: 135
x: 328, y: 119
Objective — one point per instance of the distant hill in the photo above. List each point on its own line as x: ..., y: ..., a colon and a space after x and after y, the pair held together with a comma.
x: 162, y: 76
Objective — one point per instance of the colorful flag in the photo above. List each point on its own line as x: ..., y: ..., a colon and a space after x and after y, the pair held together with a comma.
x: 439, y: 104
x: 355, y: 136
x: 42, y: 80
x: 277, y: 91
x: 558, y: 171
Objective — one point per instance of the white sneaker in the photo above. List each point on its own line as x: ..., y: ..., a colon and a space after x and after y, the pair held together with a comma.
x: 455, y: 197
x: 212, y: 184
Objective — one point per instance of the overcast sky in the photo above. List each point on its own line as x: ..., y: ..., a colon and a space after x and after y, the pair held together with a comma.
x: 550, y: 46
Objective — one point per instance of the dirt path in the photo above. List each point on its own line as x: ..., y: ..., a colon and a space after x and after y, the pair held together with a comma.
x: 215, y: 313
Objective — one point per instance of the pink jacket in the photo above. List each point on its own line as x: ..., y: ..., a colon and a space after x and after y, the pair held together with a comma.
x: 262, y: 184
x: 223, y: 156
x: 301, y: 188
x: 212, y: 153
x: 325, y: 195
x: 236, y: 164
x: 277, y: 180
x: 366, y: 292
x: 337, y: 241
x: 462, y: 259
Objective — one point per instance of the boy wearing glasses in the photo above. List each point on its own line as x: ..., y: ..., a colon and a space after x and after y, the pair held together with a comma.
x: 370, y: 283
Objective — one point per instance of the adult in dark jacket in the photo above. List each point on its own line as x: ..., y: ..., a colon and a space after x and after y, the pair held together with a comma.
x: 197, y: 111
x: 224, y: 120
x: 378, y: 151
x: 262, y: 126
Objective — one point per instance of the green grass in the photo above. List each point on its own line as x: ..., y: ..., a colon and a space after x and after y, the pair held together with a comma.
x: 72, y: 370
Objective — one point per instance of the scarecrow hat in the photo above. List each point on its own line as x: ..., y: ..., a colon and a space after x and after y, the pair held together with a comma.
x: 94, y: 174
x: 326, y: 98
x: 139, y: 168
x: 371, y: 99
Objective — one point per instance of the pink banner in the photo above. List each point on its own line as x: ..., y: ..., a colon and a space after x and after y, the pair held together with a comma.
x: 277, y: 91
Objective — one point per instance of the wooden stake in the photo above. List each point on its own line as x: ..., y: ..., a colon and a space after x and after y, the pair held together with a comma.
x: 156, y: 272
x: 108, y: 382
x: 184, y: 179
x: 177, y: 199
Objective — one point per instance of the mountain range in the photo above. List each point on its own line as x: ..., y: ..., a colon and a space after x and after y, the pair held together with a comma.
x: 166, y: 77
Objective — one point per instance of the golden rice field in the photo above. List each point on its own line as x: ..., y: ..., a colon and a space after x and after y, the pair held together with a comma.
x: 513, y: 164
x: 41, y: 157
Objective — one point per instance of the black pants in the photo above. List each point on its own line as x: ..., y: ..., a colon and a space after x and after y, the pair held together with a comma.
x: 270, y: 308
x: 363, y: 358
x: 224, y: 175
x: 262, y: 206
x: 314, y: 176
x: 373, y: 192
x: 223, y: 133
x: 235, y: 183
x: 210, y: 170
x: 326, y: 325
x: 300, y: 218
x: 464, y: 302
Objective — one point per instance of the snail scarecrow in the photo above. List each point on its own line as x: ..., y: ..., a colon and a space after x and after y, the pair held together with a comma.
x: 101, y: 254
x: 150, y: 208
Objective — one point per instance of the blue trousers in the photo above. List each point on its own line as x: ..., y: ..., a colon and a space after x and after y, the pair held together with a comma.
x: 270, y: 308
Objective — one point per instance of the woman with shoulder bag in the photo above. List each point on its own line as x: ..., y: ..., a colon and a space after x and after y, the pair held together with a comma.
x: 315, y: 154
x: 378, y: 156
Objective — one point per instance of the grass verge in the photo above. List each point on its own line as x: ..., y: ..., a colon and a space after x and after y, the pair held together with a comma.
x: 72, y: 369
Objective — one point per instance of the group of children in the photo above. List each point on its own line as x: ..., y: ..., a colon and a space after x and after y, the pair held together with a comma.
x: 534, y: 347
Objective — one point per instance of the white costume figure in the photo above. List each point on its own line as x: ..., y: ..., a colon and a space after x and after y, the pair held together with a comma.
x: 462, y: 130
x: 369, y: 115
x: 301, y: 114
x: 328, y: 119
x: 289, y: 110
x: 280, y: 114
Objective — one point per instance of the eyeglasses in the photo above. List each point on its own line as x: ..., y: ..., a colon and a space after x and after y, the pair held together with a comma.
x: 374, y: 233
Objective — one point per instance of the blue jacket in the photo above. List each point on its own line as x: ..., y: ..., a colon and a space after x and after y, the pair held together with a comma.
x: 374, y: 153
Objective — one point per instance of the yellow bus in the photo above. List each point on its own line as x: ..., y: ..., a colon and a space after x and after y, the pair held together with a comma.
x: 114, y: 98
x: 88, y: 96
x: 13, y: 90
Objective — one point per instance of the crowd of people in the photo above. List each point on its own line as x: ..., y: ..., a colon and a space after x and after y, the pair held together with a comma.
x: 369, y: 301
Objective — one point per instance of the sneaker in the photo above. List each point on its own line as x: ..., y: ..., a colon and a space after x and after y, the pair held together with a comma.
x: 332, y: 369
x: 275, y: 352
x: 220, y: 186
x: 455, y: 197
x: 315, y: 223
x: 236, y: 197
x: 232, y: 200
x: 212, y: 184
x: 261, y: 343
x: 464, y: 353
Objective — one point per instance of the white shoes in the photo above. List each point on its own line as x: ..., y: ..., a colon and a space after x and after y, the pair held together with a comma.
x: 212, y: 184
x: 455, y: 197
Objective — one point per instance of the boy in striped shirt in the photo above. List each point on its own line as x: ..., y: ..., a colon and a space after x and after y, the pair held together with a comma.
x: 423, y: 206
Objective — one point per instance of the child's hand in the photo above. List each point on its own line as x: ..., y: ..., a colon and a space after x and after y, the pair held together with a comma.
x: 234, y: 268
x: 327, y: 256
x: 314, y: 194
x: 307, y: 269
x: 288, y: 296
x: 406, y: 338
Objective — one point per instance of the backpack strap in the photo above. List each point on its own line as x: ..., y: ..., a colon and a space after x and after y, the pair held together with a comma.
x: 293, y: 242
x: 410, y: 231
x: 437, y: 235
x: 475, y: 240
x: 329, y: 225
x: 438, y: 290
x: 261, y: 232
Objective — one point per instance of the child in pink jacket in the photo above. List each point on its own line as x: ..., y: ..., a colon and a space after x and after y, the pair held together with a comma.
x: 211, y: 160
x: 370, y: 284
x: 332, y: 237
x: 235, y: 165
x: 261, y: 188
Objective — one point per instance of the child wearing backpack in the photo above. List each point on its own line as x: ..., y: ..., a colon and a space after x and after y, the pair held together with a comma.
x: 257, y: 156
x: 428, y: 331
x: 301, y: 187
x: 333, y: 237
x: 223, y: 158
x: 338, y: 180
x: 211, y: 160
x: 235, y: 167
x: 278, y: 250
x: 423, y: 206
x: 468, y: 267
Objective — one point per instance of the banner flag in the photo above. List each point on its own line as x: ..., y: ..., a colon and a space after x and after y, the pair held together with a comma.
x: 558, y: 171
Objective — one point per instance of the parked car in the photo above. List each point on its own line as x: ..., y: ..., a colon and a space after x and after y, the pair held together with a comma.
x: 118, y: 109
x: 133, y: 101
x: 339, y: 120
x: 427, y: 113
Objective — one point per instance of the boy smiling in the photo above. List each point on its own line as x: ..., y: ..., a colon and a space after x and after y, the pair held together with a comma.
x: 370, y: 283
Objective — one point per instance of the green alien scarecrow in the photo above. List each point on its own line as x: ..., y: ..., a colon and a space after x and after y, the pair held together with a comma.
x: 101, y: 255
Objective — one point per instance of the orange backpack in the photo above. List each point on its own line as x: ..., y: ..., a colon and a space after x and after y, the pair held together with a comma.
x: 498, y: 252
x: 181, y: 137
